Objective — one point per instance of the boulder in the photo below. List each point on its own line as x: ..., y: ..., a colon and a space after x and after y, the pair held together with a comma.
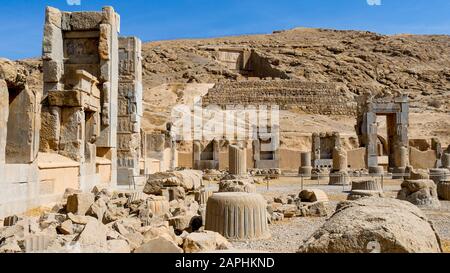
x: 188, y: 179
x: 391, y: 225
x: 118, y: 246
x: 422, y: 193
x: 314, y: 209
x: 160, y: 244
x: 237, y: 185
x: 79, y: 203
x: 205, y: 241
x: 66, y: 228
x: 93, y: 237
x: 313, y: 195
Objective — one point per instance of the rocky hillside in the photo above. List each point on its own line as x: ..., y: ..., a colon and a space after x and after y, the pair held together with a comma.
x: 357, y: 61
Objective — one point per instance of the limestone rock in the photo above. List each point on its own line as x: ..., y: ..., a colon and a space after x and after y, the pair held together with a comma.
x: 93, y: 237
x: 422, y: 193
x: 159, y: 245
x: 188, y: 179
x: 313, y: 195
x: 79, y: 203
x: 66, y: 228
x: 238, y: 185
x: 396, y: 226
x: 205, y: 241
x: 118, y: 246
x: 357, y: 194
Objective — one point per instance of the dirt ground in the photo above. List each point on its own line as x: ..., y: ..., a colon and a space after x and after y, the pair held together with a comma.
x: 288, y: 235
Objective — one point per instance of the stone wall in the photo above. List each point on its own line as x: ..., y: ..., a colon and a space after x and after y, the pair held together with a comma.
x: 313, y: 98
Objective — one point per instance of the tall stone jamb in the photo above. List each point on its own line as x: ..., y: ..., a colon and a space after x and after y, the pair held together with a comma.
x: 129, y: 110
x: 80, y: 64
x: 237, y: 160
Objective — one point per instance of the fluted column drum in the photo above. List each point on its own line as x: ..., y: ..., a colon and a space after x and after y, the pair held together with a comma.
x: 446, y: 160
x: 438, y: 175
x: 238, y: 216
x: 366, y: 184
x: 443, y: 189
x: 158, y: 205
x: 237, y: 160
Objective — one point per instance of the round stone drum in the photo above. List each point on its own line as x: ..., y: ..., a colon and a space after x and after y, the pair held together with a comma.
x: 238, y: 216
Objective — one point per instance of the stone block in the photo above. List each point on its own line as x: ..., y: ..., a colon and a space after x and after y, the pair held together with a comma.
x: 80, y: 203
x: 85, y: 20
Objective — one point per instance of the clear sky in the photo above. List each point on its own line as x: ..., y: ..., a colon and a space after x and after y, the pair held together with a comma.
x: 21, y: 21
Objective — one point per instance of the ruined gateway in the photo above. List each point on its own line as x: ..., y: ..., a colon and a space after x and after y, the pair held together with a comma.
x: 96, y: 146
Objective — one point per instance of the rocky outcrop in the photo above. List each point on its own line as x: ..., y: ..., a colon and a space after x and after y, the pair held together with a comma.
x: 374, y: 225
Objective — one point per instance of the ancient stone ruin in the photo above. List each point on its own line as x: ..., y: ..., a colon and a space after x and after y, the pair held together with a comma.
x: 85, y: 166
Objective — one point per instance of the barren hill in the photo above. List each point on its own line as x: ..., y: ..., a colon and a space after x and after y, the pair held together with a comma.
x: 174, y: 71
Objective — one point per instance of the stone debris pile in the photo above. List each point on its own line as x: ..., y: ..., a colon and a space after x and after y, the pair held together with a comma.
x: 114, y: 222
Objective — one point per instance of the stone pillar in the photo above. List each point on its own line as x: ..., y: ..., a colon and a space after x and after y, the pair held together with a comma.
x: 401, y: 160
x: 238, y: 216
x: 129, y: 109
x: 237, y: 160
x: 446, y: 160
x: 305, y: 168
x: 196, y: 154
x: 4, y: 110
x: 339, y: 175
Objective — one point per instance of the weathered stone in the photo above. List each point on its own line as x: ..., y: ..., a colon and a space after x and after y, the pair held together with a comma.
x: 188, y: 179
x: 79, y: 203
x: 237, y: 215
x: 205, y: 241
x: 237, y: 185
x: 159, y: 245
x: 313, y: 195
x: 66, y: 228
x: 357, y: 194
x: 366, y: 184
x: 237, y: 160
x: 393, y: 225
x: 182, y: 222
x: 176, y: 193
x: 135, y: 239
x: 314, y: 209
x: 422, y: 193
x: 118, y: 246
x: 93, y: 236
x: 85, y: 20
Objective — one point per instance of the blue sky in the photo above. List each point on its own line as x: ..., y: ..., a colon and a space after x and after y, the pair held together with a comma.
x: 21, y: 21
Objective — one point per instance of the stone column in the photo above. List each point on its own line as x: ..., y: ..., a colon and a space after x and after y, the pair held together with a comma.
x: 446, y: 160
x: 305, y: 165
x: 4, y: 110
x: 339, y: 175
x: 196, y: 154
x: 237, y: 160
x: 237, y: 216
